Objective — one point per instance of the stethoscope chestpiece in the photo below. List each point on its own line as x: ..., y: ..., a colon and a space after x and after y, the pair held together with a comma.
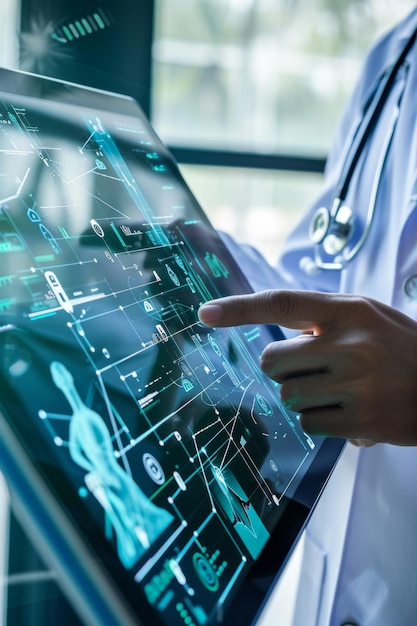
x: 332, y: 229
x: 319, y: 225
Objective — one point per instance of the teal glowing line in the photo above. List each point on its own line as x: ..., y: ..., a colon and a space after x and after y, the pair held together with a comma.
x: 232, y: 581
x: 68, y: 33
x: 146, y: 568
x: 30, y: 278
x: 80, y: 28
x: 104, y: 16
x: 116, y: 232
x: 36, y: 316
x: 58, y: 38
x: 109, y: 147
x: 74, y: 31
x: 86, y: 26
x: 99, y: 20
x: 92, y: 22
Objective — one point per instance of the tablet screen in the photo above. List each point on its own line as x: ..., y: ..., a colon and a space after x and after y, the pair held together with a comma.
x: 161, y: 439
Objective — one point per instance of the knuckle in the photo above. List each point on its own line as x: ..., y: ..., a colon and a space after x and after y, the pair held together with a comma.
x: 278, y: 302
x: 362, y: 306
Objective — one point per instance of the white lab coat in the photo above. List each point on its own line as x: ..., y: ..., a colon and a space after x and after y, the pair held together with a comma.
x: 360, y: 560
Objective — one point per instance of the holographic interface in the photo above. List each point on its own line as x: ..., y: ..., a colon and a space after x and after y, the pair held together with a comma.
x: 173, y: 441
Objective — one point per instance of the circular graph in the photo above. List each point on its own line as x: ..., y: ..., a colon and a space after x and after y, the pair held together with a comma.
x: 205, y: 572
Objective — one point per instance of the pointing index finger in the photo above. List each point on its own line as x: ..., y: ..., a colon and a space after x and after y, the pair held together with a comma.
x: 302, y: 310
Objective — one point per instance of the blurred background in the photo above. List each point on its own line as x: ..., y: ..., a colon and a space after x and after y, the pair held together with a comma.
x: 247, y: 93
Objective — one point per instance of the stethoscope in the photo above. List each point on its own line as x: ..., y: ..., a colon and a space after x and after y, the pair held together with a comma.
x: 331, y: 229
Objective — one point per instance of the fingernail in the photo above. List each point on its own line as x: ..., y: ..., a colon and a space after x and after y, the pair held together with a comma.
x: 209, y: 313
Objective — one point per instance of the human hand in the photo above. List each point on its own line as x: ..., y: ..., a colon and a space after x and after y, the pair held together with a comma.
x: 352, y: 372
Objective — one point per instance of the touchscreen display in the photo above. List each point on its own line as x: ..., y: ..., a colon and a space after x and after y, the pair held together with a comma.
x: 161, y: 438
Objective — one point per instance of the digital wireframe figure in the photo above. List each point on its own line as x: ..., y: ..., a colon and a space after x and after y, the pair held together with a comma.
x: 137, y: 522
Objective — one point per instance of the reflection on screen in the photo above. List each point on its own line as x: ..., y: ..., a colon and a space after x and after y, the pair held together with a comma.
x: 171, y: 437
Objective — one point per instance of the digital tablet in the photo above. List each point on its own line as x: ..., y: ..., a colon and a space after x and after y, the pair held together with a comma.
x: 146, y: 454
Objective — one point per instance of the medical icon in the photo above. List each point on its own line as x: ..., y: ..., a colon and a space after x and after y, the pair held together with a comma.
x: 191, y: 285
x: 162, y: 334
x: 33, y: 215
x: 58, y: 291
x: 50, y: 238
x: 153, y: 468
x: 148, y: 306
x: 172, y: 275
x: 205, y: 572
x: 187, y: 384
x: 97, y: 228
x: 214, y: 345
x: 264, y: 406
x: 180, y: 481
x: 180, y: 263
x: 217, y: 268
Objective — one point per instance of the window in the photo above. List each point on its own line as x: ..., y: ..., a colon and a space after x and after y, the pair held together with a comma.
x: 9, y: 30
x: 246, y: 92
x: 266, y: 77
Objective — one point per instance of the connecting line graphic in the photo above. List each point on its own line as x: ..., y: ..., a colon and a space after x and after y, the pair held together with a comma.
x: 72, y: 301
x: 161, y: 422
x: 93, y: 170
x: 69, y: 182
x: 113, y: 423
x: 109, y: 147
x: 235, y: 418
x: 110, y: 206
x: 81, y: 150
x: 206, y: 399
x: 243, y: 454
x: 239, y: 507
x: 58, y: 417
x: 19, y: 189
x: 230, y: 586
x: 16, y: 152
x: 146, y: 568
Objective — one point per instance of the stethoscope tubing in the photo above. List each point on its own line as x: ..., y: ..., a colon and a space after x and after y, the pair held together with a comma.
x: 371, y: 116
x: 355, y: 146
x: 375, y: 186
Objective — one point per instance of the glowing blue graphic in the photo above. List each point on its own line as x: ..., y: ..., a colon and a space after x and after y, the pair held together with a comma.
x: 264, y: 405
x: 137, y: 522
x: 50, y: 238
x: 216, y: 266
x: 33, y: 216
x: 59, y: 292
x: 173, y: 415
